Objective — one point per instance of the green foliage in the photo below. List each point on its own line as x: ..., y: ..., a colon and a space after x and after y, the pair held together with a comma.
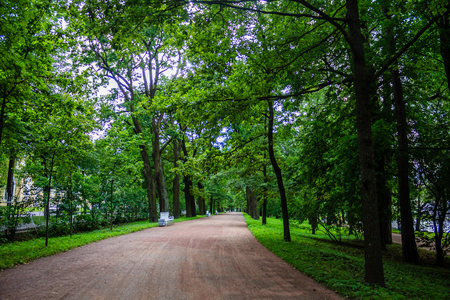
x: 341, y: 266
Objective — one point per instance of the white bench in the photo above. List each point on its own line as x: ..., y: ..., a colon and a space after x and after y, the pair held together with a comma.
x: 208, y: 214
x: 217, y: 212
x: 165, y: 220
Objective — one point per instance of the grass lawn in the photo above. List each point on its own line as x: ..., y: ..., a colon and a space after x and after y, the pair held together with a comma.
x: 23, y: 252
x: 341, y: 266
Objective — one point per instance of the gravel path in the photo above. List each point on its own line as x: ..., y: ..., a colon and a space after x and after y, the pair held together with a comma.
x: 208, y: 258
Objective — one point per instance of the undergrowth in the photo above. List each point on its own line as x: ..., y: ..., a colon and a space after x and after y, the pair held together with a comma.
x: 340, y: 266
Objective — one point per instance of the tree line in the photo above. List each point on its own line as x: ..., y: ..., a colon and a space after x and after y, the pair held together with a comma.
x: 327, y: 112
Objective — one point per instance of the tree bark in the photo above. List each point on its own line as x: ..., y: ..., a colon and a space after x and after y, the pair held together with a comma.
x: 150, y: 183
x: 409, y: 248
x: 162, y: 188
x: 211, y: 204
x: 49, y: 188
x: 201, y: 200
x: 384, y: 202
x: 71, y: 205
x: 111, y: 206
x: 187, y: 196
x: 444, y: 35
x: 176, y: 181
x: 419, y: 213
x: 277, y: 170
x: 10, y: 197
x: 10, y: 182
x: 193, y: 207
x: 2, y: 117
x: 372, y: 240
x: 264, y: 204
x: 247, y: 196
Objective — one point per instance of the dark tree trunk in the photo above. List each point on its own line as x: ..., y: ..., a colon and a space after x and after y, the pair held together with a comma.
x: 248, y: 193
x: 162, y: 188
x: 444, y: 35
x: 419, y: 213
x: 2, y: 117
x: 264, y: 204
x: 10, y: 182
x: 187, y: 196
x: 10, y: 232
x: 252, y: 203
x: 111, y: 206
x: 176, y: 181
x: 49, y: 188
x: 156, y: 155
x: 149, y: 179
x: 201, y: 200
x: 313, y: 223
x: 439, y: 229
x: 193, y: 207
x: 152, y: 213
x: 277, y: 170
x: 372, y: 239
x: 384, y: 203
x: 211, y: 204
x: 71, y: 205
x: 409, y: 248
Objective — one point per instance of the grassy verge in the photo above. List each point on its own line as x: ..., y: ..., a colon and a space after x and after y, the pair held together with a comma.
x: 15, y: 253
x: 341, y: 266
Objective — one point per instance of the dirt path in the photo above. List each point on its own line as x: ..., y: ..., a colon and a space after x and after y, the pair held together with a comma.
x: 209, y: 258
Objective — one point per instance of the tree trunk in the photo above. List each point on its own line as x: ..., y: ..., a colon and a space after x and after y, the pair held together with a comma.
x: 384, y: 202
x: 176, y: 181
x: 152, y: 214
x: 277, y: 170
x: 187, y: 196
x: 444, y: 35
x: 2, y: 116
x: 409, y: 248
x: 264, y: 204
x: 162, y: 188
x: 111, y: 206
x: 71, y: 205
x: 419, y: 213
x: 211, y: 204
x: 254, y: 203
x: 150, y: 183
x: 49, y: 188
x: 193, y: 207
x: 201, y: 200
x: 372, y: 240
x: 248, y: 193
x: 439, y: 230
x: 313, y: 223
x: 10, y: 232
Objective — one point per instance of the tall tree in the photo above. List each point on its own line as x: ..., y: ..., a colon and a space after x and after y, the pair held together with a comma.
x: 132, y: 43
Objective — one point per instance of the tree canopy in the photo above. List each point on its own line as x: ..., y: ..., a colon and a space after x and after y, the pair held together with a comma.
x: 332, y: 112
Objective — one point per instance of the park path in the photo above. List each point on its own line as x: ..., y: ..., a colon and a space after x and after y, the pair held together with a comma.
x: 208, y: 258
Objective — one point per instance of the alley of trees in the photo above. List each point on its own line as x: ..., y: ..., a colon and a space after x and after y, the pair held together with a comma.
x: 326, y: 111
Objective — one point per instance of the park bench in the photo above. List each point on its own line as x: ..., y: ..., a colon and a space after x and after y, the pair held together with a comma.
x: 208, y: 214
x: 165, y: 220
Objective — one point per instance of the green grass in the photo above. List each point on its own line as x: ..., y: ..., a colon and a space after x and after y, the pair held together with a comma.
x: 341, y: 266
x: 15, y: 253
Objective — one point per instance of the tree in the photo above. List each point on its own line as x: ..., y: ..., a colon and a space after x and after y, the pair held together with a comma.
x: 133, y: 42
